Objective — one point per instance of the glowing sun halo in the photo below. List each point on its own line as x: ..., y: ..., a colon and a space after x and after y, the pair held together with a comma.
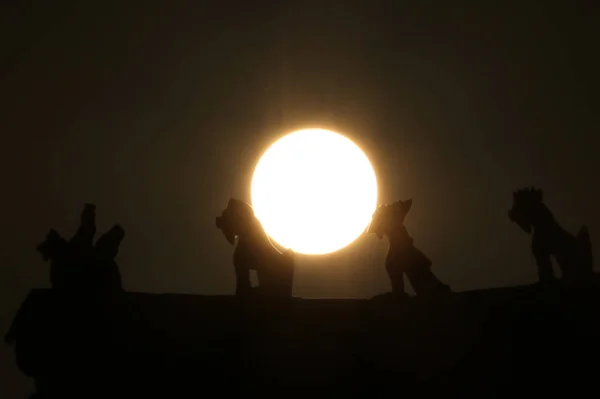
x: 314, y: 191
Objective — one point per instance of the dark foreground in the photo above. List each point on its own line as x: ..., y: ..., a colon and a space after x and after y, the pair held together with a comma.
x: 488, y: 343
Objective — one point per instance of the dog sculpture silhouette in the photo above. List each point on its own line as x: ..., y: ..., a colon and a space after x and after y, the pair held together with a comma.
x: 572, y: 253
x: 254, y: 251
x: 403, y: 257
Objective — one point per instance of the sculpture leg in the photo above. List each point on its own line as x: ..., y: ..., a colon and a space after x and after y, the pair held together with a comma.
x: 397, y: 280
x: 543, y: 262
x: 277, y: 282
x: 242, y: 278
x: 424, y: 282
x: 420, y: 276
x: 545, y: 271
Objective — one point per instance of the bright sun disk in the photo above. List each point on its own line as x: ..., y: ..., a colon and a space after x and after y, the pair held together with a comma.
x: 314, y: 191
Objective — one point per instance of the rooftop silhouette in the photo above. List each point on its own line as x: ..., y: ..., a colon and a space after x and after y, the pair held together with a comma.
x: 87, y: 337
x: 489, y: 343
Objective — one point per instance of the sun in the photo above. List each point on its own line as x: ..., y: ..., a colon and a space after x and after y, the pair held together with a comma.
x: 314, y: 191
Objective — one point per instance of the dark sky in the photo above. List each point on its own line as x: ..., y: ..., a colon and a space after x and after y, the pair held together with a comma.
x: 158, y: 113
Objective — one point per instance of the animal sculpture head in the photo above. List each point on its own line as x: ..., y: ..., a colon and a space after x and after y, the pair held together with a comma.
x: 389, y: 218
x: 236, y: 220
x: 525, y: 202
x: 53, y: 246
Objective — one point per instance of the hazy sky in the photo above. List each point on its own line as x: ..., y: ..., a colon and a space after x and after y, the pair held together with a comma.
x: 159, y: 113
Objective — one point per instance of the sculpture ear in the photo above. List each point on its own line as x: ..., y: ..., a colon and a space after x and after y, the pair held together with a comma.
x: 234, y: 204
x: 108, y: 244
x: 234, y: 209
x: 119, y: 232
x: 52, y: 235
x: 407, y: 205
